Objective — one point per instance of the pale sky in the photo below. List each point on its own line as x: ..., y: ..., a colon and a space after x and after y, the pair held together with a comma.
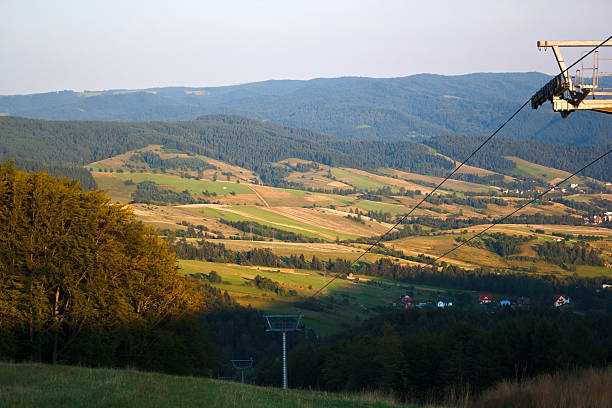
x: 89, y: 44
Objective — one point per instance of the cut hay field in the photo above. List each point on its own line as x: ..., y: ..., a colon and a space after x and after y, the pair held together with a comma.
x: 449, y: 185
x: 40, y: 385
x: 230, y: 214
x: 114, y: 186
x: 305, y: 221
x: 299, y: 198
x: 359, y: 179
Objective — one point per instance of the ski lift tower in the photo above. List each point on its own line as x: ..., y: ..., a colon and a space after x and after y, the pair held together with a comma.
x: 284, y: 324
x: 583, y: 91
x: 242, y: 365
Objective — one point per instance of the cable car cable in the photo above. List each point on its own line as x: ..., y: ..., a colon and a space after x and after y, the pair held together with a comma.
x: 520, y: 208
x: 457, y: 168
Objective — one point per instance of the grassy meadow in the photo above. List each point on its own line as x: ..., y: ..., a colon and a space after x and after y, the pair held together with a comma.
x: 39, y: 385
x: 194, y: 186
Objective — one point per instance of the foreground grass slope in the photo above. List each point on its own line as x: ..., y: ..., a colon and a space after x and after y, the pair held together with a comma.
x: 591, y: 388
x: 39, y: 385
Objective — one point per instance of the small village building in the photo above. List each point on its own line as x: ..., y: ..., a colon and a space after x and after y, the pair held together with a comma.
x: 560, y: 300
x: 445, y: 302
x: 406, y: 301
x: 484, y: 299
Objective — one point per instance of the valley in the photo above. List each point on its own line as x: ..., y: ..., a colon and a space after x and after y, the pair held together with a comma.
x: 331, y: 213
x: 306, y: 204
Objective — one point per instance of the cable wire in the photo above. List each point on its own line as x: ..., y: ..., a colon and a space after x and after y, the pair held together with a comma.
x: 519, y: 209
x: 455, y: 170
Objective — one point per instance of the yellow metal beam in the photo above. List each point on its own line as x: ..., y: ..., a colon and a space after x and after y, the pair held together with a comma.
x: 576, y: 43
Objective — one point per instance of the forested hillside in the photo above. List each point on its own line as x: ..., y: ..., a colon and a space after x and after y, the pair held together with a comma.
x: 350, y: 107
x: 236, y: 140
x: 569, y: 158
x: 254, y: 144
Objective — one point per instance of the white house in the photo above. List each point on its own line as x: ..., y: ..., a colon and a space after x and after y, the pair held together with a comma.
x: 445, y: 302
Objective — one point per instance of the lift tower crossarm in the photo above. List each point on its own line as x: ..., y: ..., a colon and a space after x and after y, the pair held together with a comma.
x: 566, y: 95
x: 575, y: 43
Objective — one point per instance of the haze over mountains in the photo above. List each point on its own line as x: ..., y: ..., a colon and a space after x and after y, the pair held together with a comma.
x: 403, y: 108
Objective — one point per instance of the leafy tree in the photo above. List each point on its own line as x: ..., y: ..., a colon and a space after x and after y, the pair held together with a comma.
x: 84, y: 281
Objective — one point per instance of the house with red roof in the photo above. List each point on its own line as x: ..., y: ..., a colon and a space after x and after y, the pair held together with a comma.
x: 406, y: 301
x: 484, y: 299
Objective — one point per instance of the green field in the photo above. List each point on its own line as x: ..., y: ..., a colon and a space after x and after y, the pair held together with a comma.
x: 359, y: 181
x: 393, y: 209
x: 40, y: 385
x: 353, y: 301
x: 194, y: 186
x: 531, y: 170
x: 332, y: 197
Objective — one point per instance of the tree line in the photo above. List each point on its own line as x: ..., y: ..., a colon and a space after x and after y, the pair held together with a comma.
x: 420, y: 355
x: 155, y: 161
x: 561, y: 253
x: 149, y: 192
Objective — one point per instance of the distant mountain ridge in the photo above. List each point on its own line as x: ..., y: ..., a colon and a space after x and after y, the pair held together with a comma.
x: 402, y: 108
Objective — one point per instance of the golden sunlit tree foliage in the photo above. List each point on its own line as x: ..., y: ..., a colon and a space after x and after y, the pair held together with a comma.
x: 84, y: 281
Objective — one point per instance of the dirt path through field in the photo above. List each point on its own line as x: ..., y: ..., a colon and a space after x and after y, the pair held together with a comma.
x: 258, y: 195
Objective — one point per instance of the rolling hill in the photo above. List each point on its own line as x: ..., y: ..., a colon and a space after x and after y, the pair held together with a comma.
x: 254, y: 144
x: 351, y: 107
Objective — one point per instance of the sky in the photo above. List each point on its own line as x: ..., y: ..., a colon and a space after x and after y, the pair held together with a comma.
x: 94, y: 45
